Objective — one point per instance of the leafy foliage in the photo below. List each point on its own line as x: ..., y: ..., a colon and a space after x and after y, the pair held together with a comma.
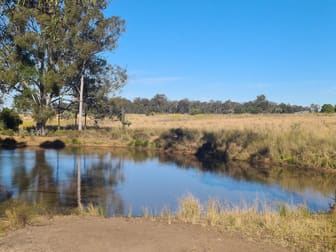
x: 46, y: 46
x: 328, y: 108
x: 10, y: 119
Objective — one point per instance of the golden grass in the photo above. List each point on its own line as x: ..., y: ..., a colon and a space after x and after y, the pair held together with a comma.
x: 90, y: 210
x: 216, y: 122
x: 189, y: 209
x: 293, y: 227
x: 16, y: 214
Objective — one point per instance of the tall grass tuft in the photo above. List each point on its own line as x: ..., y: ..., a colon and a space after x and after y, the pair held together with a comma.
x: 213, y: 212
x: 146, y: 213
x: 167, y: 214
x: 19, y: 215
x: 293, y: 227
x: 189, y: 209
x: 90, y: 210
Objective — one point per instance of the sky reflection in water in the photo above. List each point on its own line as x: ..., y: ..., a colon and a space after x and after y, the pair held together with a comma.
x: 120, y: 181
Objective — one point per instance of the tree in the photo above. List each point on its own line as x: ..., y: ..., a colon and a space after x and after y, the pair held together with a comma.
x: 47, y: 46
x: 30, y: 58
x: 101, y: 80
x: 314, y: 108
x: 183, y: 106
x: 159, y: 103
x: 328, y: 108
x: 90, y: 34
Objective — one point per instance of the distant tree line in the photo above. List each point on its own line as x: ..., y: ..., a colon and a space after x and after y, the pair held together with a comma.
x: 161, y: 104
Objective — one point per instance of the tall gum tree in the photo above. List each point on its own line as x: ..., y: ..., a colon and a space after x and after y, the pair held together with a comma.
x: 47, y: 46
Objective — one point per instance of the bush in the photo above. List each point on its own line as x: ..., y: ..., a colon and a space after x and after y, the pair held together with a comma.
x: 328, y: 108
x: 10, y: 119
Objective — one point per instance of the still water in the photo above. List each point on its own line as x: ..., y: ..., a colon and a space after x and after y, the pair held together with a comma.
x: 123, y: 181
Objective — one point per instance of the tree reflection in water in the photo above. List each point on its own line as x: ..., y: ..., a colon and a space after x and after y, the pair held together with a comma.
x: 292, y: 178
x: 36, y: 185
x: 88, y: 182
x: 72, y: 178
x: 95, y: 183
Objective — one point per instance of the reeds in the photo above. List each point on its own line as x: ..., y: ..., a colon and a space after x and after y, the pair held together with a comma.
x: 293, y: 227
x: 189, y: 209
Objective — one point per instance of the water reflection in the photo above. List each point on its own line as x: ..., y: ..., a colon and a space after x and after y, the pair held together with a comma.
x: 122, y: 179
x: 289, y: 178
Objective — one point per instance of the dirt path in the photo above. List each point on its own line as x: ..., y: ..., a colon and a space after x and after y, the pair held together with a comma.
x: 122, y: 234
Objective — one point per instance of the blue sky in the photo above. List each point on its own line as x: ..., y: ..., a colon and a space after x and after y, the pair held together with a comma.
x: 228, y: 49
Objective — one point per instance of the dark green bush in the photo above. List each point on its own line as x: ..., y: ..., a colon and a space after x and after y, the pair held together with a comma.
x: 328, y: 108
x: 10, y: 119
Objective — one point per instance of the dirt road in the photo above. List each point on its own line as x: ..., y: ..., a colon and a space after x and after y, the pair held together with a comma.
x: 122, y: 234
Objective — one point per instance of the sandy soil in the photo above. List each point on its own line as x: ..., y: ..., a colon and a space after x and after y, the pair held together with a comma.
x: 122, y: 234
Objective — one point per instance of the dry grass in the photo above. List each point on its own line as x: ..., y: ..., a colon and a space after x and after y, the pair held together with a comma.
x: 216, y: 122
x: 189, y: 209
x: 90, y: 210
x: 16, y: 214
x: 293, y: 227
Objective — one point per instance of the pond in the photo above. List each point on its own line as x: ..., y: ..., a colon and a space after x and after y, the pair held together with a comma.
x: 127, y: 181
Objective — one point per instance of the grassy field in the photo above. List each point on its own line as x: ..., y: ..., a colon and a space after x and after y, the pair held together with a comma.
x: 324, y: 123
x: 278, y: 123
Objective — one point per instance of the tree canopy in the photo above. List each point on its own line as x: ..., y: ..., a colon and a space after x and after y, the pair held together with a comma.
x: 161, y: 104
x: 328, y: 108
x: 46, y: 46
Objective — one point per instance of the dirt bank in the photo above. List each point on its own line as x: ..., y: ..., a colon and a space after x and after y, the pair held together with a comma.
x: 122, y: 234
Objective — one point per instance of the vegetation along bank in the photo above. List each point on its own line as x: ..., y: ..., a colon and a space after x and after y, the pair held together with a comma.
x: 305, y: 141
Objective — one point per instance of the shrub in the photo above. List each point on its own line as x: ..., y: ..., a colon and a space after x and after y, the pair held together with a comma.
x: 10, y: 119
x: 328, y: 108
x: 19, y: 215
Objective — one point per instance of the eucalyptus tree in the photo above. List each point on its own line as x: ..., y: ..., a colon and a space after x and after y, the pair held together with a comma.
x: 30, y: 56
x: 91, y: 33
x: 101, y: 81
x: 46, y: 47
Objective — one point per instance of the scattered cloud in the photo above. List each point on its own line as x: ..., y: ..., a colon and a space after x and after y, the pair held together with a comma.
x: 152, y: 79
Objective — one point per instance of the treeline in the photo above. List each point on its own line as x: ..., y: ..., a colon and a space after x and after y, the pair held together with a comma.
x: 161, y: 104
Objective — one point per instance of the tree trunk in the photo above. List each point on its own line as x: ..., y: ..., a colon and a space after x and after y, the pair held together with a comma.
x: 59, y: 115
x: 79, y: 197
x: 41, y: 128
x: 85, y: 116
x: 58, y: 120
x: 76, y: 120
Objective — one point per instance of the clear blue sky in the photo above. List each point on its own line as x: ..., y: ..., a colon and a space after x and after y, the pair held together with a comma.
x: 229, y: 49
